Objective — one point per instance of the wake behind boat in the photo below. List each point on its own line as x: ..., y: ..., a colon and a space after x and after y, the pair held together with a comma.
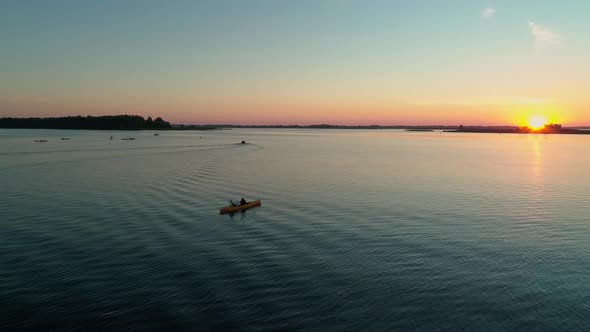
x: 230, y: 209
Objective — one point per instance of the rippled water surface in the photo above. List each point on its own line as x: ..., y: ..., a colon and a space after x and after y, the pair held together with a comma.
x: 358, y: 230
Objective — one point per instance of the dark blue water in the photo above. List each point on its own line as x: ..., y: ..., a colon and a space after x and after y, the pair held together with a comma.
x: 358, y: 230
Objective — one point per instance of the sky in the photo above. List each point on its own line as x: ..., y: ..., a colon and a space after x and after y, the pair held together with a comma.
x: 394, y: 62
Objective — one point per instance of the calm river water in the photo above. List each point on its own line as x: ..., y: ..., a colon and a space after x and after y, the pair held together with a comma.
x: 358, y: 230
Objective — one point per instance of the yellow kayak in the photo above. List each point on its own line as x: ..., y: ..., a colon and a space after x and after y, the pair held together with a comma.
x: 229, y: 209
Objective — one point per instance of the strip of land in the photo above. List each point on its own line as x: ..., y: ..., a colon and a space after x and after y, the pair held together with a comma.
x: 107, y: 122
x: 136, y: 122
x: 547, y: 129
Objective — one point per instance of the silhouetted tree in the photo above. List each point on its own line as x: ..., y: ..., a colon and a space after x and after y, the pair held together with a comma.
x: 149, y: 123
x: 160, y: 123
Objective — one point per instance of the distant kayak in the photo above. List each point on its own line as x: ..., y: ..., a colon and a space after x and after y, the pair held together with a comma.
x: 230, y: 209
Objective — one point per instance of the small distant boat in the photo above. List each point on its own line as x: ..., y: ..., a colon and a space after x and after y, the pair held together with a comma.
x: 230, y: 209
x: 65, y: 138
x: 156, y: 134
x: 41, y: 141
x: 128, y: 139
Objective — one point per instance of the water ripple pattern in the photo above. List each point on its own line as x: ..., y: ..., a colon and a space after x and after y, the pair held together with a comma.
x: 358, y: 230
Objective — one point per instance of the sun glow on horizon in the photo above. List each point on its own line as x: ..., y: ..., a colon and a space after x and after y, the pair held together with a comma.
x: 537, y: 122
x: 536, y: 115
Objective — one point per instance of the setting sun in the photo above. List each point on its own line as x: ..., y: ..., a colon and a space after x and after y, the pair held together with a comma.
x: 537, y: 122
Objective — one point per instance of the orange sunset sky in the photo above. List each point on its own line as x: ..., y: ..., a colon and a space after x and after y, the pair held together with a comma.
x: 299, y: 62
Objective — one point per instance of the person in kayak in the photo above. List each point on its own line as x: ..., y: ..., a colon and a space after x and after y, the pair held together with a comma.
x: 243, y: 201
x: 231, y: 203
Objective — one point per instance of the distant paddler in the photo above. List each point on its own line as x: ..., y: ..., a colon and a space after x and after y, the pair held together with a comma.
x: 244, y: 205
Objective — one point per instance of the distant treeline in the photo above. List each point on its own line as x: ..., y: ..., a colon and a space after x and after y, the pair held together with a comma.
x: 552, y: 128
x: 195, y: 127
x: 108, y: 122
x: 329, y: 126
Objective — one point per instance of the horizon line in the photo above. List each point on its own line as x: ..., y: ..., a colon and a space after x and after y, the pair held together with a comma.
x: 360, y: 125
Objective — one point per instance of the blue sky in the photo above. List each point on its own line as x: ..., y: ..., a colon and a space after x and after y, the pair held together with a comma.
x: 295, y: 61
